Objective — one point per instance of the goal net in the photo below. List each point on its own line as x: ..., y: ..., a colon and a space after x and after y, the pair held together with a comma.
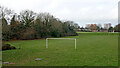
x: 60, y: 38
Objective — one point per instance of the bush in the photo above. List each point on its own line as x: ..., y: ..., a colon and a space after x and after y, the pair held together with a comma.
x: 7, y: 47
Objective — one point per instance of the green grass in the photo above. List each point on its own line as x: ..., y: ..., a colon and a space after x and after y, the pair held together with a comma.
x: 95, y: 49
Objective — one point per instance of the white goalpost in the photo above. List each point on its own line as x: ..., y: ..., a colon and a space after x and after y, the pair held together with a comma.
x: 60, y: 38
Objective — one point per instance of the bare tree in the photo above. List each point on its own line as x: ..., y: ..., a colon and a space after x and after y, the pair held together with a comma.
x: 27, y: 16
x: 6, y: 13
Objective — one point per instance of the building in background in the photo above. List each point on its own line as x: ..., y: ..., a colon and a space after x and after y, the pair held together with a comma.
x: 91, y: 27
x: 87, y: 26
x: 97, y: 28
x: 107, y: 26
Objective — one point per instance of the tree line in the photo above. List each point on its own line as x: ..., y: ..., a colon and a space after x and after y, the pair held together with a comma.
x: 30, y: 25
x: 99, y: 28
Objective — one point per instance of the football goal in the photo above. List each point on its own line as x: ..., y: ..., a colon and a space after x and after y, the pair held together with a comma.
x: 60, y: 38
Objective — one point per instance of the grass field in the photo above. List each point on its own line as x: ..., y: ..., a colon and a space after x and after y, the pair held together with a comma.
x: 93, y: 49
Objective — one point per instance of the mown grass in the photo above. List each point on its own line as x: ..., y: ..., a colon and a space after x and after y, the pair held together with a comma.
x: 96, y: 49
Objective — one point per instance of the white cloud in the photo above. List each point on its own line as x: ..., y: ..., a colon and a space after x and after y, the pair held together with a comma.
x: 80, y: 11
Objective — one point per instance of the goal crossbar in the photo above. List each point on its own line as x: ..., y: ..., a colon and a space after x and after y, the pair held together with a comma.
x: 60, y: 38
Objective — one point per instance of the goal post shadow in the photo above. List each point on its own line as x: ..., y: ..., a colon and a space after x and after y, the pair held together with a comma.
x: 60, y: 38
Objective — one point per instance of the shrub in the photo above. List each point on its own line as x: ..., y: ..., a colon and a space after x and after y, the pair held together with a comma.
x: 7, y: 47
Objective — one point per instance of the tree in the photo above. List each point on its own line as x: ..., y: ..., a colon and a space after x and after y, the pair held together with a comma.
x: 26, y: 17
x: 98, y: 28
x: 117, y: 28
x: 99, y: 25
x: 6, y: 13
x: 5, y: 30
x: 93, y: 27
x: 16, y: 29
x: 45, y: 25
x: 110, y: 29
x: 30, y: 25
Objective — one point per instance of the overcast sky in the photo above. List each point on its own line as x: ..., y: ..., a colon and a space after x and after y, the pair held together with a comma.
x: 80, y: 11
